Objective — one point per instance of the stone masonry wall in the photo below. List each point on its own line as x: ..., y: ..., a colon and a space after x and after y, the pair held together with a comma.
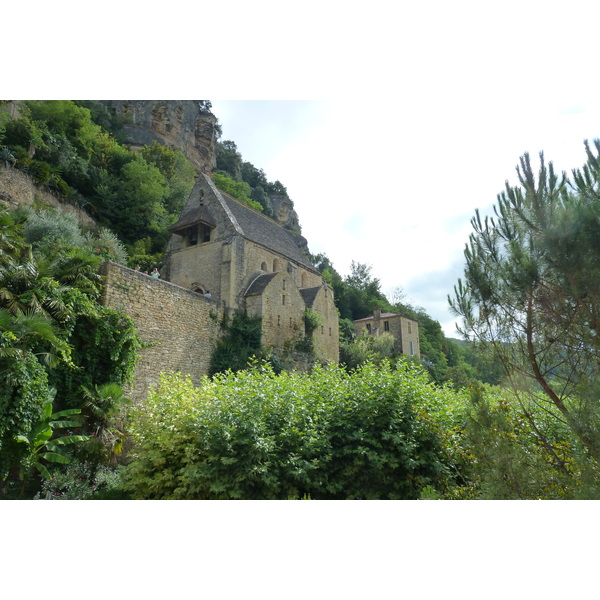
x: 182, y: 326
x: 282, y: 311
x: 403, y: 329
x: 17, y: 188
x: 326, y: 336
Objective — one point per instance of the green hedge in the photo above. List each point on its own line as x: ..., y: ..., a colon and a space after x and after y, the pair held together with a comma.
x: 257, y: 435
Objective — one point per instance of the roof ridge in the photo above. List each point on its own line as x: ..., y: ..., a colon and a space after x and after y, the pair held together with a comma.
x: 219, y: 197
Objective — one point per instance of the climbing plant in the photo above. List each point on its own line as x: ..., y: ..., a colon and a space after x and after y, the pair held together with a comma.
x: 240, y: 342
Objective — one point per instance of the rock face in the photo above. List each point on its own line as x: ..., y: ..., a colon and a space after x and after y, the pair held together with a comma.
x: 285, y: 213
x: 17, y: 189
x: 181, y: 124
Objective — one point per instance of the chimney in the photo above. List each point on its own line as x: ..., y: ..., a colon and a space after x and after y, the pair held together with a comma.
x: 377, y: 313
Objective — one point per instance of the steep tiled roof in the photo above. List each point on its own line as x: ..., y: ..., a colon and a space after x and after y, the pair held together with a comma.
x: 258, y: 286
x: 262, y: 230
x: 309, y: 295
x: 200, y: 214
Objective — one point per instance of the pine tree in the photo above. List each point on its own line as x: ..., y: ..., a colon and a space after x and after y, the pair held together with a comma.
x: 531, y: 289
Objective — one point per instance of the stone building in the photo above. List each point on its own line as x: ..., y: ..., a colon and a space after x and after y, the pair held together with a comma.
x: 404, y: 329
x: 249, y: 262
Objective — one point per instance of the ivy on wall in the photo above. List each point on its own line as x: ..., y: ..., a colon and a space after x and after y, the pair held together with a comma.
x: 240, y: 343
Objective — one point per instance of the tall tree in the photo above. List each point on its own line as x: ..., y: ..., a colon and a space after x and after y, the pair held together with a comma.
x: 531, y: 289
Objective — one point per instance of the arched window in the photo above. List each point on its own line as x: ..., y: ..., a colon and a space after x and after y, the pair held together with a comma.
x: 303, y: 281
x: 198, y: 288
x: 275, y: 265
x: 263, y: 267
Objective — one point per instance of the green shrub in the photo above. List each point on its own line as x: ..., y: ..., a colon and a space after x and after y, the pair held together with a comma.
x: 51, y: 226
x: 239, y: 345
x: 238, y: 189
x: 81, y: 481
x: 107, y: 245
x: 257, y: 435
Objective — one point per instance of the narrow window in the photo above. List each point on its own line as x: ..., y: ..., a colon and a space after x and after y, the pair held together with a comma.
x: 205, y: 233
x: 409, y: 328
x: 412, y: 349
x: 193, y: 236
x: 278, y: 320
x: 322, y: 330
x: 284, y: 284
x: 386, y: 325
x: 369, y: 327
x: 283, y: 299
x: 330, y: 332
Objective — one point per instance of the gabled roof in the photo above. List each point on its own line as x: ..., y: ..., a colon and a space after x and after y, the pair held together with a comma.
x: 200, y: 214
x: 258, y: 286
x: 309, y: 295
x: 258, y: 228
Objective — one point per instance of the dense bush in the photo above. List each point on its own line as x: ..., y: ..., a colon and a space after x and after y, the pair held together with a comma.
x: 238, y: 189
x: 241, y: 341
x: 515, y: 450
x: 51, y: 226
x: 54, y: 337
x: 257, y: 435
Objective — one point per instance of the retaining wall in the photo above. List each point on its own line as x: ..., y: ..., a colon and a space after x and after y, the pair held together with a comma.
x: 182, y: 326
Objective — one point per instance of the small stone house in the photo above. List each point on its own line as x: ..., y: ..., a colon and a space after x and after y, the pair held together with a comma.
x: 249, y: 262
x: 404, y: 329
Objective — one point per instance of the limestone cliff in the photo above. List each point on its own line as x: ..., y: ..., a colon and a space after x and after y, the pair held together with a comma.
x: 180, y: 124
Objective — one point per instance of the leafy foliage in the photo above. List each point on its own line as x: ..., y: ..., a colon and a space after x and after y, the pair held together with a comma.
x: 44, y: 446
x: 257, y: 435
x: 52, y: 334
x: 240, y: 343
x: 231, y: 164
x: 238, y: 189
x: 105, y: 403
x: 51, y: 227
x: 70, y: 148
x: 82, y: 481
x: 24, y: 391
x: 370, y: 349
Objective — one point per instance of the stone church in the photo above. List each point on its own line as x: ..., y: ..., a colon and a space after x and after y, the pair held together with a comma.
x: 248, y: 262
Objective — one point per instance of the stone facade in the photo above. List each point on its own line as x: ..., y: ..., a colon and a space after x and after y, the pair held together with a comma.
x: 275, y: 298
x: 181, y: 326
x: 326, y: 337
x: 222, y: 246
x: 404, y: 329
